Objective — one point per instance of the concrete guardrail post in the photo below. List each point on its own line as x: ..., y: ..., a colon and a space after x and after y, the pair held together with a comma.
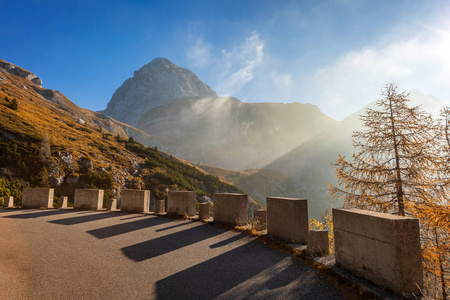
x: 37, y: 198
x: 382, y: 248
x: 231, y: 208
x: 181, y: 203
x: 88, y: 199
x: 287, y: 219
x: 135, y: 201
x: 260, y: 220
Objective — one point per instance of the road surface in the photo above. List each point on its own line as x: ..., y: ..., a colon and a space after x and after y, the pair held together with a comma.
x: 67, y: 254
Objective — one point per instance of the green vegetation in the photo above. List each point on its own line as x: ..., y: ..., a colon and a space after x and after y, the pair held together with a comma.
x: 26, y: 162
x: 170, y: 172
x: 12, y: 104
x: 97, y: 180
x: 84, y: 129
x: 8, y: 188
x: 9, y: 154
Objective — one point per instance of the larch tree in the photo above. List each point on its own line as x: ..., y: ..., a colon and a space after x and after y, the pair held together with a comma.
x: 393, y: 154
x: 434, y: 213
x: 401, y: 167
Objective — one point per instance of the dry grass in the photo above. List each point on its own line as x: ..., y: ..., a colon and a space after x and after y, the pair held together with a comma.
x: 37, y: 119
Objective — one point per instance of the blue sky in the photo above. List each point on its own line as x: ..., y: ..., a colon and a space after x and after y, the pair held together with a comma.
x: 334, y: 54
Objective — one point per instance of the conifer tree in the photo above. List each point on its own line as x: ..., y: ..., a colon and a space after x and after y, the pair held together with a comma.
x: 401, y: 167
x: 434, y: 213
x: 393, y: 157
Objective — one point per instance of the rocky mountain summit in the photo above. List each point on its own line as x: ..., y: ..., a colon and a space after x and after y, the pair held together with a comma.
x: 157, y: 83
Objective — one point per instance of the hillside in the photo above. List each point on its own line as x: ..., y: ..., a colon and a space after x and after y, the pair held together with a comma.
x: 48, y: 141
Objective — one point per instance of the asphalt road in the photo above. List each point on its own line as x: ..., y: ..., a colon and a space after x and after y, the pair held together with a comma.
x: 66, y: 254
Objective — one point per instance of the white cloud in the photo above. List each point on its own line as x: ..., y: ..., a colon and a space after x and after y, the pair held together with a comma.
x: 355, y: 79
x: 239, y: 64
x: 199, y: 54
x: 280, y: 80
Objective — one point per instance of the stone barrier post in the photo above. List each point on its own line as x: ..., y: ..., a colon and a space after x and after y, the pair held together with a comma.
x: 231, y: 208
x: 181, y: 203
x: 160, y: 207
x: 88, y: 199
x: 203, y: 210
x: 318, y: 243
x: 8, y: 202
x: 112, y: 204
x: 62, y: 203
x: 382, y: 248
x: 37, y: 198
x: 287, y: 219
x: 260, y: 220
x: 135, y: 201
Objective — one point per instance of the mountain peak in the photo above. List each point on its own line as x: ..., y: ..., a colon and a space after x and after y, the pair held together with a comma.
x: 157, y: 83
x: 162, y: 60
x: 159, y: 63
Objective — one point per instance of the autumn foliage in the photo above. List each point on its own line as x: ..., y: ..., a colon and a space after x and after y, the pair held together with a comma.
x: 401, y: 167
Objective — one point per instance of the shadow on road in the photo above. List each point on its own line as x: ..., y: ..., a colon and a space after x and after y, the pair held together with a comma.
x: 87, y: 218
x: 227, y: 241
x: 133, y: 217
x: 26, y: 214
x: 118, y: 229
x: 170, y: 242
x: 216, y: 276
x: 171, y: 227
x: 250, y: 271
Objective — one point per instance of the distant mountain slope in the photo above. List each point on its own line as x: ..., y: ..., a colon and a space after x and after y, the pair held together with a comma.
x: 157, y: 83
x: 228, y: 133
x: 46, y: 140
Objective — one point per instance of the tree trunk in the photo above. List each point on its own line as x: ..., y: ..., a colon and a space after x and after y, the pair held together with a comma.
x: 398, y: 182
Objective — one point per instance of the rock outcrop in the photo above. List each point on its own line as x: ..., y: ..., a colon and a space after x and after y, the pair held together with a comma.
x: 157, y: 83
x: 15, y: 70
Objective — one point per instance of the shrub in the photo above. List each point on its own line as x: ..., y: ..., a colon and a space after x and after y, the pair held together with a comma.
x: 84, y: 129
x: 8, y: 188
x: 9, y: 154
x: 14, y: 104
x: 98, y: 180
